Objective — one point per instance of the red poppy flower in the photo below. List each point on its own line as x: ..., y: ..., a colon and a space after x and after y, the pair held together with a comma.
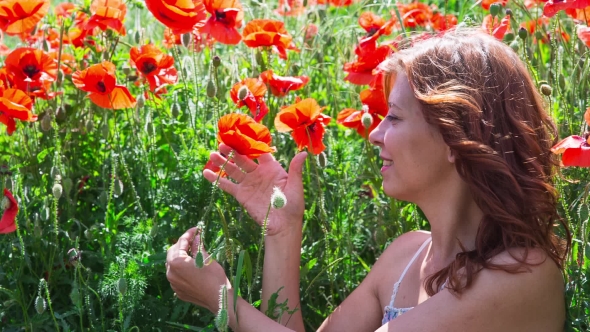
x: 64, y: 9
x: 268, y: 33
x: 553, y: 6
x: 369, y: 56
x: 31, y: 70
x: 244, y: 135
x: 575, y: 150
x: 280, y: 86
x: 581, y: 15
x: 107, y: 14
x: 584, y: 34
x: 487, y: 3
x: 226, y: 17
x: 18, y: 17
x: 15, y: 105
x: 305, y: 121
x: 253, y: 98
x: 311, y: 31
x: 10, y: 210
x: 440, y: 22
x: 532, y: 3
x: 290, y: 8
x: 179, y: 15
x: 373, y: 23
x: 374, y: 104
x: 495, y: 27
x: 414, y: 14
x: 101, y: 82
x: 155, y: 66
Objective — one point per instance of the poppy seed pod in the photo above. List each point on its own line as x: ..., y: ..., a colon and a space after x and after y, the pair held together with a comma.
x: 367, y: 120
x: 278, y: 198
x: 495, y: 9
x: 211, y: 89
x: 243, y: 92
x: 514, y: 45
x: 216, y: 61
x: 508, y: 37
x: 546, y: 89
x: 40, y: 305
x: 522, y: 33
x: 122, y: 286
x: 509, y: 12
x: 46, y: 123
x: 140, y: 101
x: 322, y: 160
x: 186, y: 39
x: 57, y: 190
x: 175, y: 109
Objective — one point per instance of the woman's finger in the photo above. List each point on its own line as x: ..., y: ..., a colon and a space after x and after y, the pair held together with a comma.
x: 230, y: 168
x: 225, y: 184
x: 245, y: 163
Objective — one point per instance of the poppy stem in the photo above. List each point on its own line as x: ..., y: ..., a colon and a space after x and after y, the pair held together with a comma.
x: 260, y: 249
x: 213, y: 191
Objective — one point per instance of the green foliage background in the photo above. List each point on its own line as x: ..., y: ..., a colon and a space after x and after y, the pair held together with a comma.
x: 144, y: 185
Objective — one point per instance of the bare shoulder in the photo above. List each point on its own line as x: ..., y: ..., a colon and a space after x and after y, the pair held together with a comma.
x: 404, y: 245
x: 531, y: 300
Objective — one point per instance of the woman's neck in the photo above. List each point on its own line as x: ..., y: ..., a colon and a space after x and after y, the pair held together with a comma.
x: 454, y: 219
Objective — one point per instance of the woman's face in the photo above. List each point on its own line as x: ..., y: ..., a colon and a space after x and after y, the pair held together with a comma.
x: 416, y: 160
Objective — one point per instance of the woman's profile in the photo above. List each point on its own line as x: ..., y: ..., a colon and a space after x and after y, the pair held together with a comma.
x: 466, y: 139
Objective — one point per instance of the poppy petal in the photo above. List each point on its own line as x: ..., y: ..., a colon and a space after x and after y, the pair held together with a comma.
x: 7, y: 223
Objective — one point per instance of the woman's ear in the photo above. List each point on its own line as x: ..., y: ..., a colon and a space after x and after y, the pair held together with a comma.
x: 450, y: 155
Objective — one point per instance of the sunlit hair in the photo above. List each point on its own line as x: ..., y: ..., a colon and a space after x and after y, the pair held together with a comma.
x: 480, y: 96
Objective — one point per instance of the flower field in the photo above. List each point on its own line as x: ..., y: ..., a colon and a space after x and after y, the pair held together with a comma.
x: 109, y: 110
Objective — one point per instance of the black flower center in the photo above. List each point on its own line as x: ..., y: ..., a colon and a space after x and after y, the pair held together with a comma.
x: 101, y: 87
x: 31, y: 70
x: 148, y: 67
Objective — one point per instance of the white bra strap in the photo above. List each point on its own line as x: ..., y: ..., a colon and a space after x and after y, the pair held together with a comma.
x: 396, y: 285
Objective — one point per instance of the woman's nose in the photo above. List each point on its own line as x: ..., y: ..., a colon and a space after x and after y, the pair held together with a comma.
x: 376, y: 136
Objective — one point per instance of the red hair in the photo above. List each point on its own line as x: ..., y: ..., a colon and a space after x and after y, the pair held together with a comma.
x: 480, y: 96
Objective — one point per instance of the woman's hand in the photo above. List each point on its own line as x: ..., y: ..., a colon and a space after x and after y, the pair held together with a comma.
x: 190, y: 283
x: 254, y: 186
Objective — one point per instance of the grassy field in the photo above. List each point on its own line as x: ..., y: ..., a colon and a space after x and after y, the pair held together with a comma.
x: 103, y: 193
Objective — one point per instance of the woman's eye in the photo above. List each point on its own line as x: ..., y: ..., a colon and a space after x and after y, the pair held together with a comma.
x: 391, y: 118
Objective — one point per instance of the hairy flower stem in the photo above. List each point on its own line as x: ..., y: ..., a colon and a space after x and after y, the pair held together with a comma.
x: 260, y: 249
x: 213, y: 191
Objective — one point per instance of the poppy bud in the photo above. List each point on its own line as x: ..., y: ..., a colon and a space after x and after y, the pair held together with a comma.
x: 508, y: 37
x: 140, y: 100
x: 149, y: 127
x: 54, y: 172
x: 546, y: 89
x: 46, y: 123
x: 514, y: 45
x: 278, y: 198
x: 45, y: 214
x: 40, y: 305
x: 103, y: 198
x: 89, y: 124
x: 60, y: 76
x: 243, y: 92
x: 175, y: 110
x: 509, y: 12
x: 561, y: 81
x: 137, y: 36
x: 211, y: 89
x: 522, y: 33
x: 367, y: 120
x: 60, y: 113
x: 322, y: 160
x: 199, y: 260
x: 259, y: 58
x: 186, y: 39
x: 4, y: 204
x: 118, y: 187
x: 216, y: 61
x: 75, y: 296
x: 57, y: 190
x: 122, y: 286
x: 105, y: 130
x: 67, y: 184
x: 495, y: 9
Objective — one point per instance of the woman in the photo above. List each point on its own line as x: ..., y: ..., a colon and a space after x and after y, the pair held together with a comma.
x: 466, y: 139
